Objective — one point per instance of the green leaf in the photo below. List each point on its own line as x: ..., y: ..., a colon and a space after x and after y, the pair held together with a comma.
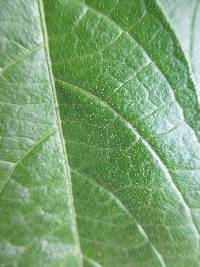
x: 185, y: 17
x: 96, y: 98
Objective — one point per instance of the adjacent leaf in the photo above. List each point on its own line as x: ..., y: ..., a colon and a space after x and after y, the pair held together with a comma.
x: 37, y: 224
x: 185, y: 17
x: 127, y: 119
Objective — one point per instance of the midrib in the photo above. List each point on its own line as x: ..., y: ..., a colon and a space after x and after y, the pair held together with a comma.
x: 55, y: 102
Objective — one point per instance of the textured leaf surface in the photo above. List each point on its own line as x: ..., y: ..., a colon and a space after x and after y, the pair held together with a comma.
x: 113, y: 76
x: 185, y: 17
x: 37, y: 226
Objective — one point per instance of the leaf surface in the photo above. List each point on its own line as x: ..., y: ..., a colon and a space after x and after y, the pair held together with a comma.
x: 96, y: 94
x: 185, y: 17
x: 37, y: 222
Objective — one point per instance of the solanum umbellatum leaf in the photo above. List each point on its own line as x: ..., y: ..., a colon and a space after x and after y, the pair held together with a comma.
x: 100, y: 130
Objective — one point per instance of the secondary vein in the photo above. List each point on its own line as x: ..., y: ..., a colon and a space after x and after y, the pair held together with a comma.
x: 109, y: 19
x: 44, y: 138
x: 127, y: 212
x: 149, y: 147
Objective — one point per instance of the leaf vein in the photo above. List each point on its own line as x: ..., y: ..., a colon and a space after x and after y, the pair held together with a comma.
x: 151, y: 150
x: 125, y: 209
x: 98, y: 13
x: 43, y: 139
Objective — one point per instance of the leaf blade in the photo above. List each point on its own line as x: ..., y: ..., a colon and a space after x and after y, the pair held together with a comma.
x: 79, y: 67
x: 30, y: 187
x: 132, y: 152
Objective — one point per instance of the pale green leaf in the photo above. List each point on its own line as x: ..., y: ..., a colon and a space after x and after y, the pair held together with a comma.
x: 185, y: 17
